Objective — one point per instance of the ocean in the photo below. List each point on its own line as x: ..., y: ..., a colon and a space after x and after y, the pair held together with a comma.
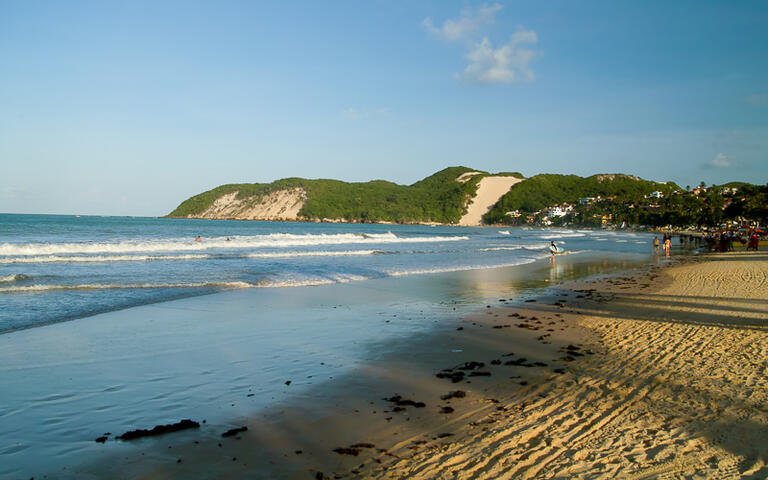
x: 56, y: 268
x: 108, y: 324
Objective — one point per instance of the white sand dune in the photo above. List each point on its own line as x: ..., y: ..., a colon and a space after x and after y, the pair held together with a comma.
x: 277, y: 205
x: 489, y: 191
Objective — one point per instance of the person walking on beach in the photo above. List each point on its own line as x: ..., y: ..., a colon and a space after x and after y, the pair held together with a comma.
x: 754, y: 241
x: 667, y: 246
x: 553, y: 248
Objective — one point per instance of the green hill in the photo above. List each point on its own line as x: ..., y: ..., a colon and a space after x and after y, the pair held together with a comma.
x: 437, y: 198
x: 441, y: 198
x: 546, y: 190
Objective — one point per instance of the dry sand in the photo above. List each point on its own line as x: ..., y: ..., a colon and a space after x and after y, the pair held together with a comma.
x: 278, y: 205
x: 489, y: 191
x: 678, y: 389
x: 658, y: 375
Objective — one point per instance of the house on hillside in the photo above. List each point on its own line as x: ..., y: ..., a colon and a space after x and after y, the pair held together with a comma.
x: 559, y: 210
x: 656, y: 194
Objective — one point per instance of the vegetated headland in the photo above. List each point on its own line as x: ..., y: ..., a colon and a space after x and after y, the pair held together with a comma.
x: 464, y: 196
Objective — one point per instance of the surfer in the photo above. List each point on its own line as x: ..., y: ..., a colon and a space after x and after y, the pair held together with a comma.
x: 198, y: 239
x: 553, y: 248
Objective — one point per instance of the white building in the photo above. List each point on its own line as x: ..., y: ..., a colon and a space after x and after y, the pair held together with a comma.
x: 559, y: 211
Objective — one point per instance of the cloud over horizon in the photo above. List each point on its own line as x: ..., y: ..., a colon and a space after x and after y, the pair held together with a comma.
x: 506, y: 64
x: 469, y: 21
x: 353, y: 113
x: 757, y: 99
x: 720, y: 161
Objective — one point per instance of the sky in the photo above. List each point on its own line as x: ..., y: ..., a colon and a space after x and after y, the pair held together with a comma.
x: 129, y: 108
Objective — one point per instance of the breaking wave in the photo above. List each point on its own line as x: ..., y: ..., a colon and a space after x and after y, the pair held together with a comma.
x: 14, y: 277
x: 275, y: 240
x: 149, y: 258
x: 115, y: 286
x: 533, y: 248
x: 401, y: 273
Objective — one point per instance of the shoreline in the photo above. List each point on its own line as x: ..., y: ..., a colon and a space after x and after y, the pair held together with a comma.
x: 529, y: 350
x: 627, y: 392
x: 203, y: 357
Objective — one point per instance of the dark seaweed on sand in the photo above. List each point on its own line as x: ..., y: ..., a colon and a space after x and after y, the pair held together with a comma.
x: 159, y: 430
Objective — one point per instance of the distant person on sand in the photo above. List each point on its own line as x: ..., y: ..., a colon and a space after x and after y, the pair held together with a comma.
x: 656, y: 244
x: 754, y: 241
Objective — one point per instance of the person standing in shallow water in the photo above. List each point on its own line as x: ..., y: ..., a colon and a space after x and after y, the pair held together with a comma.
x: 656, y: 244
x: 667, y: 246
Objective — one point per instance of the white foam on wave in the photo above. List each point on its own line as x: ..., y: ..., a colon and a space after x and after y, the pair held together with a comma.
x: 563, y: 235
x: 191, y: 256
x: 401, y: 273
x: 14, y: 277
x: 275, y: 240
x: 533, y: 248
x: 312, y: 282
x: 118, y: 286
x: 344, y: 253
x: 99, y: 258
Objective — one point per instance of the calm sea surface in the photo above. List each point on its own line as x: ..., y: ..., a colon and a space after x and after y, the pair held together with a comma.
x: 55, y: 268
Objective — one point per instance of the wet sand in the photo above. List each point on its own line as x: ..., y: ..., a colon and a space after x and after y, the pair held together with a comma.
x: 661, y: 374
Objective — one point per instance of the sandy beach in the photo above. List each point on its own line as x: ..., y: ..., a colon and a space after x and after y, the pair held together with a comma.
x: 657, y: 374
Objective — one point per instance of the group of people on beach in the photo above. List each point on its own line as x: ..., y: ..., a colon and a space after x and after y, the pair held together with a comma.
x: 666, y: 242
x: 724, y: 241
x: 720, y: 241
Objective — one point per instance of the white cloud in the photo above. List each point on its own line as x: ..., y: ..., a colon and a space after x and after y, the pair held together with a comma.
x: 757, y: 99
x: 352, y: 113
x: 507, y: 64
x: 720, y: 161
x: 461, y: 28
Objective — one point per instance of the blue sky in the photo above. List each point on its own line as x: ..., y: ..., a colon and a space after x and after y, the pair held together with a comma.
x: 128, y: 108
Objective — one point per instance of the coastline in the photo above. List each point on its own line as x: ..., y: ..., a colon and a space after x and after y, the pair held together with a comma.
x: 225, y: 356
x: 674, y: 384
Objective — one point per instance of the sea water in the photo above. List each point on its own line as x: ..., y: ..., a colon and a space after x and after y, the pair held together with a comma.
x: 111, y: 324
x: 55, y: 268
